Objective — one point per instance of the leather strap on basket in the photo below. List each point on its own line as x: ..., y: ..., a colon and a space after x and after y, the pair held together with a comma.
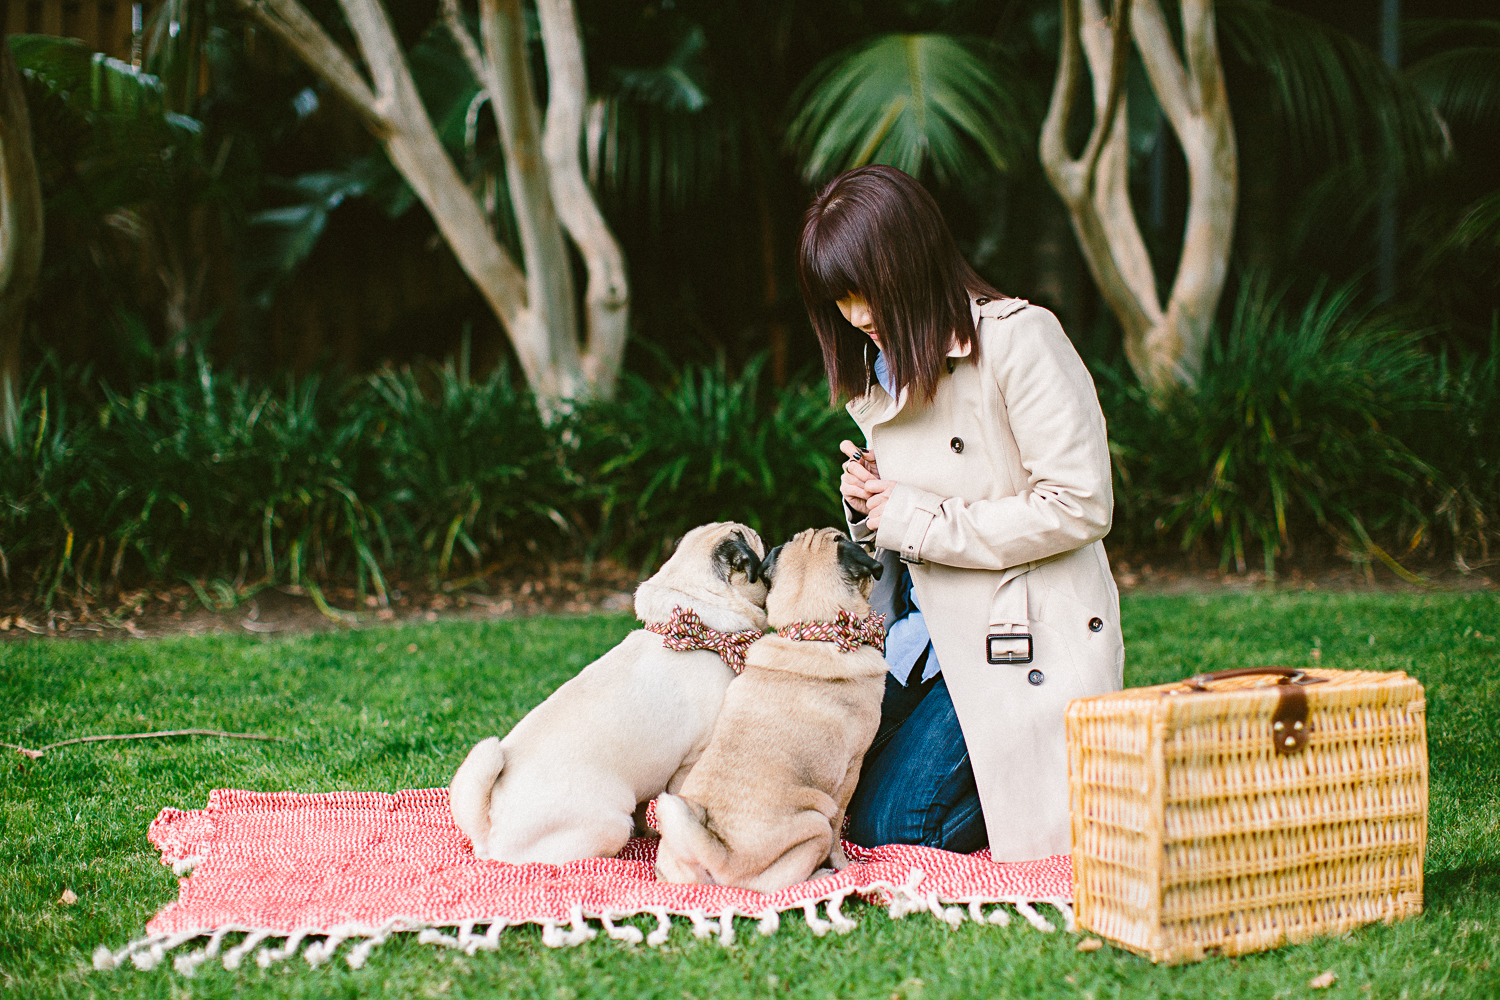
x: 1289, y: 719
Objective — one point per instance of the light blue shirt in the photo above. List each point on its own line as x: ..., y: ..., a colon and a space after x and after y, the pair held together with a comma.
x: 908, y: 638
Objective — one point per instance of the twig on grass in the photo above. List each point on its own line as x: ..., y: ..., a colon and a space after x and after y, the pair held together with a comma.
x: 34, y: 754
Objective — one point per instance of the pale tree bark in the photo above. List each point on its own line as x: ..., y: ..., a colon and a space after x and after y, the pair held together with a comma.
x: 606, y: 300
x: 21, y: 236
x: 1164, y: 344
x: 535, y: 301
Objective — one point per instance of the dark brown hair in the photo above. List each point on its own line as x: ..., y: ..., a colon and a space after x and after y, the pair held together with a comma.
x: 876, y: 232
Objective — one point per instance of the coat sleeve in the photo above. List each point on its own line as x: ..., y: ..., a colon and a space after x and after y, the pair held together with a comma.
x: 1067, y: 500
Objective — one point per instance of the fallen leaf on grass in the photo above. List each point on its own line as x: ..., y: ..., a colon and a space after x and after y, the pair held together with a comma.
x: 1322, y: 982
x: 68, y: 898
x: 1090, y: 944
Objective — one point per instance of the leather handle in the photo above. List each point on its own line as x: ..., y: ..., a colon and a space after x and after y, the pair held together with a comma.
x: 1289, y: 719
x: 1288, y: 675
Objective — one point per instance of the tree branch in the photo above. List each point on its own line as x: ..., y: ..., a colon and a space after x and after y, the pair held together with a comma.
x: 1054, y: 138
x: 607, y: 297
x: 39, y: 751
x: 453, y: 17
x: 1153, y: 39
x: 549, y: 274
x: 21, y: 236
x: 301, y: 32
x: 1119, y: 60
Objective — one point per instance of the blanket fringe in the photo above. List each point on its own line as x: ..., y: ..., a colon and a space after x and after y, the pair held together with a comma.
x: 321, y: 945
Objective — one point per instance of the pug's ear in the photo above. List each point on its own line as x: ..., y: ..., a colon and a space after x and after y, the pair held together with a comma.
x: 735, y: 554
x: 768, y: 564
x: 857, y: 563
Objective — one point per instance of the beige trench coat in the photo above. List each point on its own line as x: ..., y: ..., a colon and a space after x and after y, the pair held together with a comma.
x: 1004, y: 494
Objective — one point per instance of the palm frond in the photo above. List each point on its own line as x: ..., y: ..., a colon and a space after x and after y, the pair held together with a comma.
x: 1463, y: 84
x: 656, y: 137
x: 911, y: 101
x: 85, y: 79
x: 1334, y: 95
x: 678, y: 84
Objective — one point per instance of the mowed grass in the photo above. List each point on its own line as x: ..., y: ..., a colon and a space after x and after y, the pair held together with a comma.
x: 398, y: 708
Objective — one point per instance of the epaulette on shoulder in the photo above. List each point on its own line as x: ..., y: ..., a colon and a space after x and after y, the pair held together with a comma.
x: 1001, y: 308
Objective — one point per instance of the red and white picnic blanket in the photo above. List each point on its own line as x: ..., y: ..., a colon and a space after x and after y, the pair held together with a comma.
x: 319, y: 870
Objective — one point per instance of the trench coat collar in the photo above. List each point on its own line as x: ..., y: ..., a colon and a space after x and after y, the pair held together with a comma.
x: 877, y: 407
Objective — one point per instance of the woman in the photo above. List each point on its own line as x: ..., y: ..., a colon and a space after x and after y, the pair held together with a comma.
x: 984, y: 486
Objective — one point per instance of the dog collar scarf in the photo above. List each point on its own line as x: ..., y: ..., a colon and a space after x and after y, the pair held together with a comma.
x: 685, y: 631
x: 848, y: 632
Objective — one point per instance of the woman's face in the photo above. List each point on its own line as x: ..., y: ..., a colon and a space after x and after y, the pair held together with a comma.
x: 857, y: 311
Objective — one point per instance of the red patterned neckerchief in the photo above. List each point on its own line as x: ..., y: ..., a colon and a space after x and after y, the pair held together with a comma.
x: 848, y: 632
x: 685, y: 631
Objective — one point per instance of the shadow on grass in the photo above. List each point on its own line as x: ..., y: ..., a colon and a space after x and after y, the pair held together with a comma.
x: 1445, y: 890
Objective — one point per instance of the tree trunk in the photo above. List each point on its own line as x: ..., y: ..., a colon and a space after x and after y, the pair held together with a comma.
x: 535, y: 306
x: 549, y: 273
x: 1165, y: 346
x: 606, y: 301
x: 21, y: 236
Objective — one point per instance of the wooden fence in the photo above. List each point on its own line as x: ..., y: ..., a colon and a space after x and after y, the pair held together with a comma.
x: 109, y: 26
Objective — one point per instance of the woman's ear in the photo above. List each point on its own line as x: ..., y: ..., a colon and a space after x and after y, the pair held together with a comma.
x: 856, y: 563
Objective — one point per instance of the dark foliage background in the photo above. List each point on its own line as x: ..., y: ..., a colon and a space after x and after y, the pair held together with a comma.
x: 252, y: 360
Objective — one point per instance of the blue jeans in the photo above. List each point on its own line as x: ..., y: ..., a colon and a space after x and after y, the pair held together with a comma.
x: 917, y: 785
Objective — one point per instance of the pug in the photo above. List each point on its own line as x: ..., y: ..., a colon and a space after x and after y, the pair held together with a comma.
x: 764, y: 806
x: 571, y: 779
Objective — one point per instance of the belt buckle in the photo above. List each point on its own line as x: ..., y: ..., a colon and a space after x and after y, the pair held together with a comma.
x: 1007, y: 657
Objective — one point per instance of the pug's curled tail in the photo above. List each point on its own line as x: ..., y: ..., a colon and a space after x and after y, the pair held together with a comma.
x: 469, y: 792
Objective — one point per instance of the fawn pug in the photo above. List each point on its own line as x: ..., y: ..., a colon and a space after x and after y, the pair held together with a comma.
x: 764, y: 805
x: 566, y: 782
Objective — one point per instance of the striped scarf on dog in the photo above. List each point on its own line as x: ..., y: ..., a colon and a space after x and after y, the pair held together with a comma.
x: 685, y: 631
x: 848, y: 632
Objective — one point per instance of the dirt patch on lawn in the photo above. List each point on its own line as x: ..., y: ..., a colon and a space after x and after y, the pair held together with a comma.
x: 577, y: 588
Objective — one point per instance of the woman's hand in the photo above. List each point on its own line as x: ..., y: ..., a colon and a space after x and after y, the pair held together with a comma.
x: 861, y: 486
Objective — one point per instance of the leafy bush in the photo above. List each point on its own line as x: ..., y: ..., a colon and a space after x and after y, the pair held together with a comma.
x: 195, y: 477
x: 709, y: 446
x: 1295, y: 428
x: 228, y: 486
x: 1304, y: 424
x: 1461, y: 438
x: 42, y: 480
x: 468, y: 466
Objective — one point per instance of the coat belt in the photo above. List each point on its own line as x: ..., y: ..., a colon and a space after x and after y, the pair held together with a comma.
x: 1009, y: 610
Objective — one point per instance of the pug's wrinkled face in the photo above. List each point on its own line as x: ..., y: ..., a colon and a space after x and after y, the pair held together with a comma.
x: 817, y: 574
x: 715, y: 571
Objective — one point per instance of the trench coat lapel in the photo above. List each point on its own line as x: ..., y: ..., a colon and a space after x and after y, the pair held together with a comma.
x: 877, y: 407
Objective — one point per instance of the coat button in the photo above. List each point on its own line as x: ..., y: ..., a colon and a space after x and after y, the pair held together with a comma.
x: 957, y: 444
x: 1095, y: 624
x: 1036, y: 677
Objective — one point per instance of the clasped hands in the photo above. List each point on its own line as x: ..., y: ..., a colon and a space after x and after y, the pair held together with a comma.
x: 861, y: 485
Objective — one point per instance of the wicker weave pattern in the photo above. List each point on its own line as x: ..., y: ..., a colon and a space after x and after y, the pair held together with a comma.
x: 1191, y: 835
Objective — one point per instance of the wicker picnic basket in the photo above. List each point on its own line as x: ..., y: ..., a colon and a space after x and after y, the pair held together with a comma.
x: 1247, y: 809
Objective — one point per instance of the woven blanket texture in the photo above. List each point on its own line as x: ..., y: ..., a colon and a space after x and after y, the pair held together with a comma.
x: 366, y: 864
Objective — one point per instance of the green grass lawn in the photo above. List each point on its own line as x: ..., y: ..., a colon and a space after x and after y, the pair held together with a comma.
x: 398, y: 708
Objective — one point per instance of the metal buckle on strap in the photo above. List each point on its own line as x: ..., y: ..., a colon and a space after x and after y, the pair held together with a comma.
x: 1007, y: 656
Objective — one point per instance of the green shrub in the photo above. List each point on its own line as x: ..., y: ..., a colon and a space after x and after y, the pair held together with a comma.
x: 709, y: 446
x: 43, y: 479
x: 221, y: 479
x: 1295, y: 428
x: 471, y: 467
x: 1461, y: 438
